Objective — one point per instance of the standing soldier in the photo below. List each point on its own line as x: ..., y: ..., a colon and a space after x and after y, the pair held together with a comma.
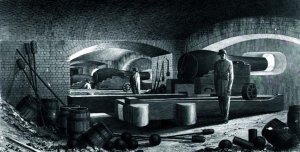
x: 223, y: 79
x: 134, y: 81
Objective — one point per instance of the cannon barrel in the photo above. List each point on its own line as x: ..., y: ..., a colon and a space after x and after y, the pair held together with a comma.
x: 80, y: 77
x: 105, y: 73
x: 197, y: 63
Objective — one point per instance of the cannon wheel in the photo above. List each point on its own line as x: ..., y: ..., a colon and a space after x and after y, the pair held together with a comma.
x: 249, y: 91
x: 126, y: 87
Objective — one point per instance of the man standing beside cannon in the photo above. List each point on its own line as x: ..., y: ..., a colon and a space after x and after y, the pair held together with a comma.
x: 223, y: 80
x: 135, y: 81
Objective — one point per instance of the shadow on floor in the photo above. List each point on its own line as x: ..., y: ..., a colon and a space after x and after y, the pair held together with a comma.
x: 162, y: 126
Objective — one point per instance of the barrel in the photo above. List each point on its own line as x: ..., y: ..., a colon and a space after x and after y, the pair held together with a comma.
x: 293, y: 119
x: 279, y: 135
x: 96, y: 136
x: 78, y: 123
x: 62, y: 119
x: 28, y: 108
x: 50, y: 109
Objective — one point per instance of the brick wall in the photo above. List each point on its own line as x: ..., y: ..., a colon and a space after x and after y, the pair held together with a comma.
x: 126, y: 60
x: 243, y: 26
x: 286, y: 83
x: 52, y: 67
x: 175, y: 47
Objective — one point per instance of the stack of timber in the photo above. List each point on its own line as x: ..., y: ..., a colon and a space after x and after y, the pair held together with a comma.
x: 205, y: 106
x: 105, y: 103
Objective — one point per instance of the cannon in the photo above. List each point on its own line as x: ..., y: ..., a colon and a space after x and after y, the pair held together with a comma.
x: 78, y: 80
x: 109, y: 78
x: 197, y: 67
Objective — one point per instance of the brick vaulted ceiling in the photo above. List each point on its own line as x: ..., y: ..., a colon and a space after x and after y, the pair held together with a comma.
x: 132, y: 19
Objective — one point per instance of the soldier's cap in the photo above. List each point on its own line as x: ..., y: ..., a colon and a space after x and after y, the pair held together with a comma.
x: 222, y: 51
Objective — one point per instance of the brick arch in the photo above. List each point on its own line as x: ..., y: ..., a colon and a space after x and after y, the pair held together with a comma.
x: 239, y: 30
x: 238, y: 39
x: 131, y: 60
x: 87, y: 62
x: 92, y: 46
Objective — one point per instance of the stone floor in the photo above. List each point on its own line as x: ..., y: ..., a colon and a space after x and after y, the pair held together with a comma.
x: 13, y: 126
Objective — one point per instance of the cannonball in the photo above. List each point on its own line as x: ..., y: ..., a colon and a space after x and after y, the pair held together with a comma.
x: 126, y: 136
x: 132, y: 144
x: 225, y: 144
x: 120, y: 144
x: 154, y: 139
x: 259, y: 142
x: 108, y: 146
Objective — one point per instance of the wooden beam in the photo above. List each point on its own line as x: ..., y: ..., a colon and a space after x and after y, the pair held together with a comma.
x: 105, y: 103
x: 167, y: 109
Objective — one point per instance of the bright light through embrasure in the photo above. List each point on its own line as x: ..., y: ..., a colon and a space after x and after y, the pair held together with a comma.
x: 271, y: 61
x: 242, y: 38
x: 94, y: 71
x: 114, y: 53
x: 83, y: 51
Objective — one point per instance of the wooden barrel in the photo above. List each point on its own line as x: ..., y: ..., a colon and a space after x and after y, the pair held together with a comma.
x: 78, y: 123
x: 62, y: 119
x: 279, y: 135
x: 50, y: 109
x: 293, y: 119
x: 28, y: 108
x: 96, y: 136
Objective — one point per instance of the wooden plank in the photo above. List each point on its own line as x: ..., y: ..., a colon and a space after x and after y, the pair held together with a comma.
x: 105, y: 103
x: 118, y: 106
x: 162, y: 109
x: 131, y: 100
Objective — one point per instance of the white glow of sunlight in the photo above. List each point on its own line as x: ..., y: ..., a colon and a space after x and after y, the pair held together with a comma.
x: 83, y: 51
x: 242, y: 38
x: 271, y: 61
x: 93, y: 71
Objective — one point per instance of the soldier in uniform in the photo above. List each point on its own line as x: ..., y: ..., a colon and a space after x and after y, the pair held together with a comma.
x: 223, y: 80
x: 134, y: 81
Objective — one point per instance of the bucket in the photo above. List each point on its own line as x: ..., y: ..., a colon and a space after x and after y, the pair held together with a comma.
x: 252, y: 134
x: 50, y: 108
x: 96, y: 136
x: 62, y: 120
x: 293, y: 119
x: 279, y: 135
x: 78, y: 123
x: 28, y: 108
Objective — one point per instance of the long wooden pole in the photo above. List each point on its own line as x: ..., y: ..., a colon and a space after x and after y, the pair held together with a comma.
x: 28, y: 52
x: 36, y: 94
x: 33, y: 51
x: 22, y: 145
x: 41, y: 79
